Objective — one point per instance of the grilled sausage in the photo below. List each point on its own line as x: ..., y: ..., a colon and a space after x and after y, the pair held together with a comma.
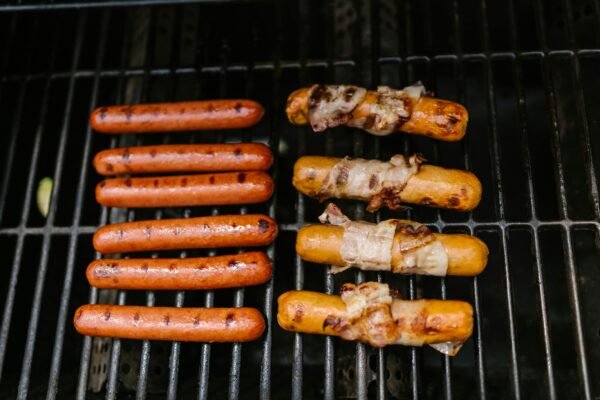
x: 190, y: 190
x: 435, y: 118
x: 202, y: 232
x: 425, y: 321
x: 170, y: 323
x: 182, y: 116
x: 467, y: 255
x: 236, y: 270
x: 430, y: 186
x: 184, y: 158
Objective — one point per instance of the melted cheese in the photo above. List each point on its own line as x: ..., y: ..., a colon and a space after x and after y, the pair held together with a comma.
x: 332, y: 105
x: 362, y: 179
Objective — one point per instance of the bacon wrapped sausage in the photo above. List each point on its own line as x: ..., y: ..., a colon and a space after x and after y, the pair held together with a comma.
x: 370, y: 313
x: 379, y: 112
x: 387, y: 183
x: 398, y: 246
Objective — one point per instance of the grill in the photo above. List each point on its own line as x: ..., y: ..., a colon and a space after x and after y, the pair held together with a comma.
x: 527, y: 72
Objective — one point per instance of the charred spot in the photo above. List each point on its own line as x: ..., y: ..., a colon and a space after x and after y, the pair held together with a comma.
x: 103, y: 112
x: 148, y: 232
x: 210, y: 108
x: 331, y: 321
x: 263, y: 225
x: 316, y: 95
x: 166, y: 320
x: 145, y: 267
x: 234, y: 264
x: 229, y: 320
x: 109, y: 167
x: 388, y: 192
x: 452, y: 120
x: 299, y: 313
x: 184, y: 182
x: 136, y: 317
x: 196, y: 321
x: 172, y: 267
x: 427, y: 201
x: 120, y: 234
x: 211, y: 179
x: 128, y: 111
x: 238, y: 107
x: 311, y: 175
x: 106, y: 315
x: 349, y: 94
x: 102, y: 184
x: 373, y: 181
x: 128, y: 182
x: 454, y: 200
x: 114, y: 266
x: 433, y: 324
x: 369, y: 121
x: 237, y: 152
x: 155, y: 183
x: 177, y: 231
x: 126, y: 153
x: 153, y: 153
x: 182, y: 111
x: 210, y: 153
x: 346, y: 288
x: 233, y: 225
x: 342, y: 177
x: 241, y: 177
x: 205, y: 227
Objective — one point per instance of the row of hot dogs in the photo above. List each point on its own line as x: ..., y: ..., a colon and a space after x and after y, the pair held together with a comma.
x: 369, y: 312
x: 205, y: 174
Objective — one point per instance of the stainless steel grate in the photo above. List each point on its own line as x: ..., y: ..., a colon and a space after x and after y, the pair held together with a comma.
x: 527, y: 74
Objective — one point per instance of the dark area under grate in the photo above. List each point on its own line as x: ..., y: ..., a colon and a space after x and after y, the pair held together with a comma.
x: 527, y: 72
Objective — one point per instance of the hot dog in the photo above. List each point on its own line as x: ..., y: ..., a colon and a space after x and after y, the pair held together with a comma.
x: 184, y: 158
x: 378, y: 112
x: 202, y: 232
x: 389, y: 184
x: 182, y: 116
x: 236, y: 270
x: 170, y: 323
x: 189, y: 190
x: 370, y: 313
x: 402, y: 247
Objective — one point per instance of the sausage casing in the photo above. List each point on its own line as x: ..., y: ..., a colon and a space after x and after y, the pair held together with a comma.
x: 467, y: 255
x: 431, y: 186
x: 170, y: 323
x: 202, y: 232
x: 184, y: 158
x: 431, y: 321
x: 435, y: 118
x: 189, y: 190
x: 218, y: 272
x: 181, y: 116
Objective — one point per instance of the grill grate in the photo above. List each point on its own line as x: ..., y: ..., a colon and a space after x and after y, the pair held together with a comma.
x: 525, y: 71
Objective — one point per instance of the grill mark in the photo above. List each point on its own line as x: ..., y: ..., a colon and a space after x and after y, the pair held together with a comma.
x: 454, y: 200
x: 126, y: 153
x: 234, y: 264
x: 211, y: 180
x: 238, y: 107
x: 128, y: 182
x: 369, y: 121
x: 106, y: 314
x: 316, y: 95
x: 196, y: 321
x: 103, y: 112
x: 184, y: 182
x: 210, y: 108
x: 148, y: 232
x: 128, y: 111
x: 172, y: 267
x: 373, y: 181
x: 166, y: 320
x: 136, y: 317
x: 263, y: 225
x: 298, y: 314
x: 237, y: 152
x: 145, y: 267
x: 153, y: 153
x: 342, y: 176
x: 229, y: 320
x: 155, y: 183
x: 102, y: 184
x: 241, y: 177
x: 109, y: 167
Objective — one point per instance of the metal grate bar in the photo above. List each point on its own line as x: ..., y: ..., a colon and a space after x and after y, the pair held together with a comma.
x: 9, y: 303
x: 142, y: 384
x: 563, y: 211
x: 113, y: 369
x: 310, y: 63
x: 51, y: 6
x: 60, y: 330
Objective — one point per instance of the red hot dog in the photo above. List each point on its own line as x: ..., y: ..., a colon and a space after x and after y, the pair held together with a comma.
x: 170, y: 323
x: 182, y: 116
x: 184, y: 158
x: 202, y: 232
x: 190, y: 190
x: 245, y: 269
